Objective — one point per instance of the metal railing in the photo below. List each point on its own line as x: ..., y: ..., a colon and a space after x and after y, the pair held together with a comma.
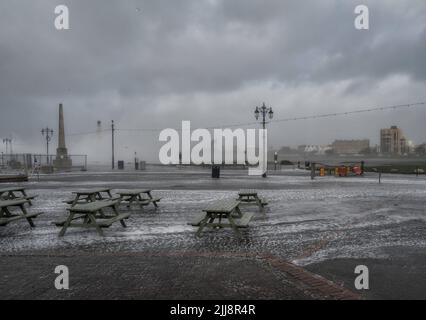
x: 30, y: 162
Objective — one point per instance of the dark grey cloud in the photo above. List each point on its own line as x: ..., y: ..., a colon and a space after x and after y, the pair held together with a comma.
x: 208, y: 61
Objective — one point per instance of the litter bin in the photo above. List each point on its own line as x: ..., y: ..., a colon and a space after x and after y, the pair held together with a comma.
x: 120, y: 165
x: 215, y: 172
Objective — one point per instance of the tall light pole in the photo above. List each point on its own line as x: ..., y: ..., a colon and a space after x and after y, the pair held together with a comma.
x: 113, y: 142
x: 136, y: 161
x: 48, y: 134
x: 264, y: 112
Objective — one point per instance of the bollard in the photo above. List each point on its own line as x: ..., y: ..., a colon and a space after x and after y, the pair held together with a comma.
x: 215, y: 172
x: 313, y: 171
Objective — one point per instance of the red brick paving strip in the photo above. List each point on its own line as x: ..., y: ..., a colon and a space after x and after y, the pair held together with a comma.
x: 315, y: 284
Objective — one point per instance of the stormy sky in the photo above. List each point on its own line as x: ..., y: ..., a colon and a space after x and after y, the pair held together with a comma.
x: 151, y: 64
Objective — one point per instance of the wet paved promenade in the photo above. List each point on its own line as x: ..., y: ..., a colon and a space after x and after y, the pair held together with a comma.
x: 327, y: 226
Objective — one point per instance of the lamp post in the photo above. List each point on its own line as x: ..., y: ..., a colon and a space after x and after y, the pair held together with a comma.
x: 136, y: 161
x: 48, y: 134
x: 263, y: 112
x: 113, y: 144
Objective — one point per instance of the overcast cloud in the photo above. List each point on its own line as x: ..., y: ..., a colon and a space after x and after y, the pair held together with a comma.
x: 151, y: 64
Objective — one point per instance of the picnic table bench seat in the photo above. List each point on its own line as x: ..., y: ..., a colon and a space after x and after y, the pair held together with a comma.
x: 144, y: 201
x: 102, y: 222
x: 91, y: 207
x: 244, y: 221
x: 71, y: 201
x: 106, y: 223
x: 32, y: 197
x: 240, y: 222
x: 6, y: 216
x: 6, y: 221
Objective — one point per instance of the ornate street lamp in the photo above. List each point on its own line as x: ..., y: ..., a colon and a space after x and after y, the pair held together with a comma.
x: 265, y: 112
x: 48, y: 133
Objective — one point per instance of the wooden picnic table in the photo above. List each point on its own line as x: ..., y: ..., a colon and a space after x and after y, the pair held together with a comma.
x: 92, y: 216
x: 223, y: 210
x: 251, y: 196
x: 86, y: 196
x: 7, y: 216
x: 137, y: 196
x: 15, y: 193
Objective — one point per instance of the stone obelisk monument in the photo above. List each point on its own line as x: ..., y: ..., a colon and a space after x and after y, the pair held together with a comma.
x: 62, y: 161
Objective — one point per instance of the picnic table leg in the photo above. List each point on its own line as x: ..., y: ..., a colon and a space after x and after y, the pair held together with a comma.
x: 114, y: 208
x: 203, y: 224
x: 238, y: 212
x: 131, y: 198
x: 233, y: 225
x: 151, y: 197
x: 142, y: 200
x: 86, y: 219
x: 66, y: 224
x: 139, y: 200
x: 95, y: 224
x: 4, y: 213
x: 109, y: 194
x: 74, y: 203
x: 259, y: 203
x: 25, y: 196
x: 25, y: 213
x: 94, y: 198
x: 101, y: 213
